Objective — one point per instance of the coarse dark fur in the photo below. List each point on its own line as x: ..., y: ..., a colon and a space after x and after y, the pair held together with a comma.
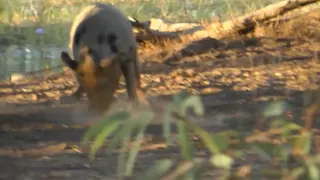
x: 104, y: 48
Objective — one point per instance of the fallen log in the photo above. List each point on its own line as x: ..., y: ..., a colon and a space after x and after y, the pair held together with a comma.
x: 156, y: 29
x: 146, y: 31
x: 246, y: 23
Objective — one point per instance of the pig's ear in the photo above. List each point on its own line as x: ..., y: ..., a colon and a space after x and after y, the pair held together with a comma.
x: 72, y: 64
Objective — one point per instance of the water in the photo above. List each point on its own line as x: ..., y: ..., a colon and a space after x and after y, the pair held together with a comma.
x: 22, y: 59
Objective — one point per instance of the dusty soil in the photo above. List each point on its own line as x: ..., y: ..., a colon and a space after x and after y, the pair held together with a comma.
x: 236, y: 78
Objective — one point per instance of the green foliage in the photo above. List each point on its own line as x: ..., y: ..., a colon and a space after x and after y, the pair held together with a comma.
x: 222, y: 161
x: 103, y: 129
x: 157, y: 170
x: 181, y: 103
x: 294, y: 153
x: 142, y: 122
x: 122, y: 123
x: 275, y: 109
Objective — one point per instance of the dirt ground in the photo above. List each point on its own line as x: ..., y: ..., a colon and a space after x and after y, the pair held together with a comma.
x: 236, y: 78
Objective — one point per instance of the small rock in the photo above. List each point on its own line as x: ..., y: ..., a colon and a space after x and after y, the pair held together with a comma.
x: 277, y: 74
x: 246, y: 74
x: 205, y: 82
x: 237, y: 79
x: 87, y: 165
x: 53, y: 95
x: 179, y: 79
x: 256, y: 73
x: 157, y: 79
x: 189, y: 73
x: 34, y: 97
x: 16, y: 77
x: 210, y: 90
x: 216, y: 73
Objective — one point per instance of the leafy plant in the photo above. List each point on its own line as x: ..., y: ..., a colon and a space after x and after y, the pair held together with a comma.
x: 122, y: 123
x: 294, y: 153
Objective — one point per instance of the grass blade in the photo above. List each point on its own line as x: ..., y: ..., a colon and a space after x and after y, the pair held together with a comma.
x: 193, y: 102
x: 203, y: 134
x: 125, y: 131
x: 157, y: 170
x: 186, y: 146
x: 98, y: 141
x: 166, y: 126
x: 97, y: 128
x: 144, y: 120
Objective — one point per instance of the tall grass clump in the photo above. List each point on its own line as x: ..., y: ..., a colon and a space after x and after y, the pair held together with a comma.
x: 25, y: 16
